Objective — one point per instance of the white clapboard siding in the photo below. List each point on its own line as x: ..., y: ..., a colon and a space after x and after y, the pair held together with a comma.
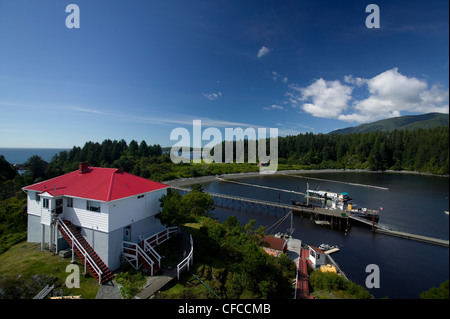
x: 80, y: 216
x: 45, y: 216
x: 129, y: 210
x: 33, y: 206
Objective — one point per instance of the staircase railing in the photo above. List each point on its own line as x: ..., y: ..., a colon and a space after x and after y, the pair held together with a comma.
x: 76, y: 243
x: 136, y: 251
x: 149, y: 249
x: 161, y: 237
x: 189, y: 260
x: 158, y: 239
x: 131, y: 251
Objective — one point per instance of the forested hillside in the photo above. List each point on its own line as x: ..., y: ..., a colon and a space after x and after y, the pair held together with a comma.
x: 418, y: 150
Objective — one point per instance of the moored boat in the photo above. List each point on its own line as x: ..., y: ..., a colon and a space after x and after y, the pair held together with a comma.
x: 369, y: 214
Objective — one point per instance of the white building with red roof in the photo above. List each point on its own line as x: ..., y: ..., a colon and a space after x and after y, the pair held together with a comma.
x: 105, y: 205
x: 317, y: 256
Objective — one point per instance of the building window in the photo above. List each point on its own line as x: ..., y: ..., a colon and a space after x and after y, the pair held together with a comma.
x: 93, y: 206
x: 45, y: 203
x: 69, y: 202
x: 37, y: 197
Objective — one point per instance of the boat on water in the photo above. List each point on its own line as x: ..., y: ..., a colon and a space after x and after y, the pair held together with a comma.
x: 337, y: 201
x: 325, y: 247
x: 327, y: 195
x: 370, y: 214
x: 301, y: 203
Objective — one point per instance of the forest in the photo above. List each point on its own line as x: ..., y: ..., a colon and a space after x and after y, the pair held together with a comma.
x: 422, y: 150
x: 419, y: 150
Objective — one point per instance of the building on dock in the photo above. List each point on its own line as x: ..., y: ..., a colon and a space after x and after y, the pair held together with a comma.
x: 317, y: 256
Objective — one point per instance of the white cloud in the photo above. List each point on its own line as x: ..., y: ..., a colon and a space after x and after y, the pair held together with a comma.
x: 212, y: 96
x: 326, y: 99
x: 273, y: 107
x: 263, y: 51
x: 392, y: 93
x: 351, y: 80
x: 389, y: 95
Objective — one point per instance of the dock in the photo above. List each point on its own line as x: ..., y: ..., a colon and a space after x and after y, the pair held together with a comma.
x: 231, y: 201
x: 424, y: 239
x: 332, y: 250
x: 324, y: 216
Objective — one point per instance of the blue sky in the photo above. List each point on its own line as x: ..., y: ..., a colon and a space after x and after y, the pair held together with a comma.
x: 139, y: 69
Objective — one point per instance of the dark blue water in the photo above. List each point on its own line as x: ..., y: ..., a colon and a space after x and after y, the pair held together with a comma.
x: 413, y: 203
x: 21, y: 155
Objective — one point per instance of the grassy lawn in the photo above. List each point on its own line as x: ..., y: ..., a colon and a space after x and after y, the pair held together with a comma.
x: 22, y: 262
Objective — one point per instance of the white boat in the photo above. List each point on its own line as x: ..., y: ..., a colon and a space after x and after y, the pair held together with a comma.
x: 327, y: 247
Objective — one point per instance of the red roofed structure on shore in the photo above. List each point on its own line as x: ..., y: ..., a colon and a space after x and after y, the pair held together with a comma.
x: 103, y: 207
x: 97, y: 183
x: 275, y: 246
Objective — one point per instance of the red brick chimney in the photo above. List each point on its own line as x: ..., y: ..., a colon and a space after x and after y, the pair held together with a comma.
x: 83, y: 167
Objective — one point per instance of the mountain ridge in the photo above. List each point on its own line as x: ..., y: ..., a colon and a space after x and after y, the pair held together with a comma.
x: 406, y: 122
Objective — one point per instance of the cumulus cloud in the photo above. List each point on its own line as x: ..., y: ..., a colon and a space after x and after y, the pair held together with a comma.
x: 389, y: 94
x: 326, y: 99
x: 263, y: 51
x: 212, y: 96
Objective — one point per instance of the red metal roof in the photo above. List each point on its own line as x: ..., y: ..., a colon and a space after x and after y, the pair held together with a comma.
x: 96, y: 183
x: 276, y: 243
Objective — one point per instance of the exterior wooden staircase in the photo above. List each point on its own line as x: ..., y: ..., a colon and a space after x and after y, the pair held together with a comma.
x: 143, y: 253
x: 156, y: 265
x: 84, y: 251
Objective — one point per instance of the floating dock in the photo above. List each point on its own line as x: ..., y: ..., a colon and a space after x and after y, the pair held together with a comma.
x: 332, y: 250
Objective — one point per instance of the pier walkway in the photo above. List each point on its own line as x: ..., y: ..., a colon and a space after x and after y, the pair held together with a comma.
x: 335, y: 217
x: 302, y: 284
x: 226, y: 200
x: 424, y: 239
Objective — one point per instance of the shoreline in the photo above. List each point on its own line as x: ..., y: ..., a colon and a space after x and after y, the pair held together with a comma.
x: 210, y: 178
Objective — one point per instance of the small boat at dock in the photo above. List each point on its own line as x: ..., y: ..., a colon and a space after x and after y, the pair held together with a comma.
x: 337, y: 201
x: 365, y: 213
x: 326, y: 247
x: 329, y: 249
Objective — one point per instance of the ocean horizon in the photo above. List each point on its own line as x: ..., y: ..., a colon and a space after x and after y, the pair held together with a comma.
x: 20, y: 155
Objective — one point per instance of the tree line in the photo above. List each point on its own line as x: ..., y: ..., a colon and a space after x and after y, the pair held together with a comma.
x: 422, y: 150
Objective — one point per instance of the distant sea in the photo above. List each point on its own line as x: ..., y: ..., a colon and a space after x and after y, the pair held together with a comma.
x: 21, y: 155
